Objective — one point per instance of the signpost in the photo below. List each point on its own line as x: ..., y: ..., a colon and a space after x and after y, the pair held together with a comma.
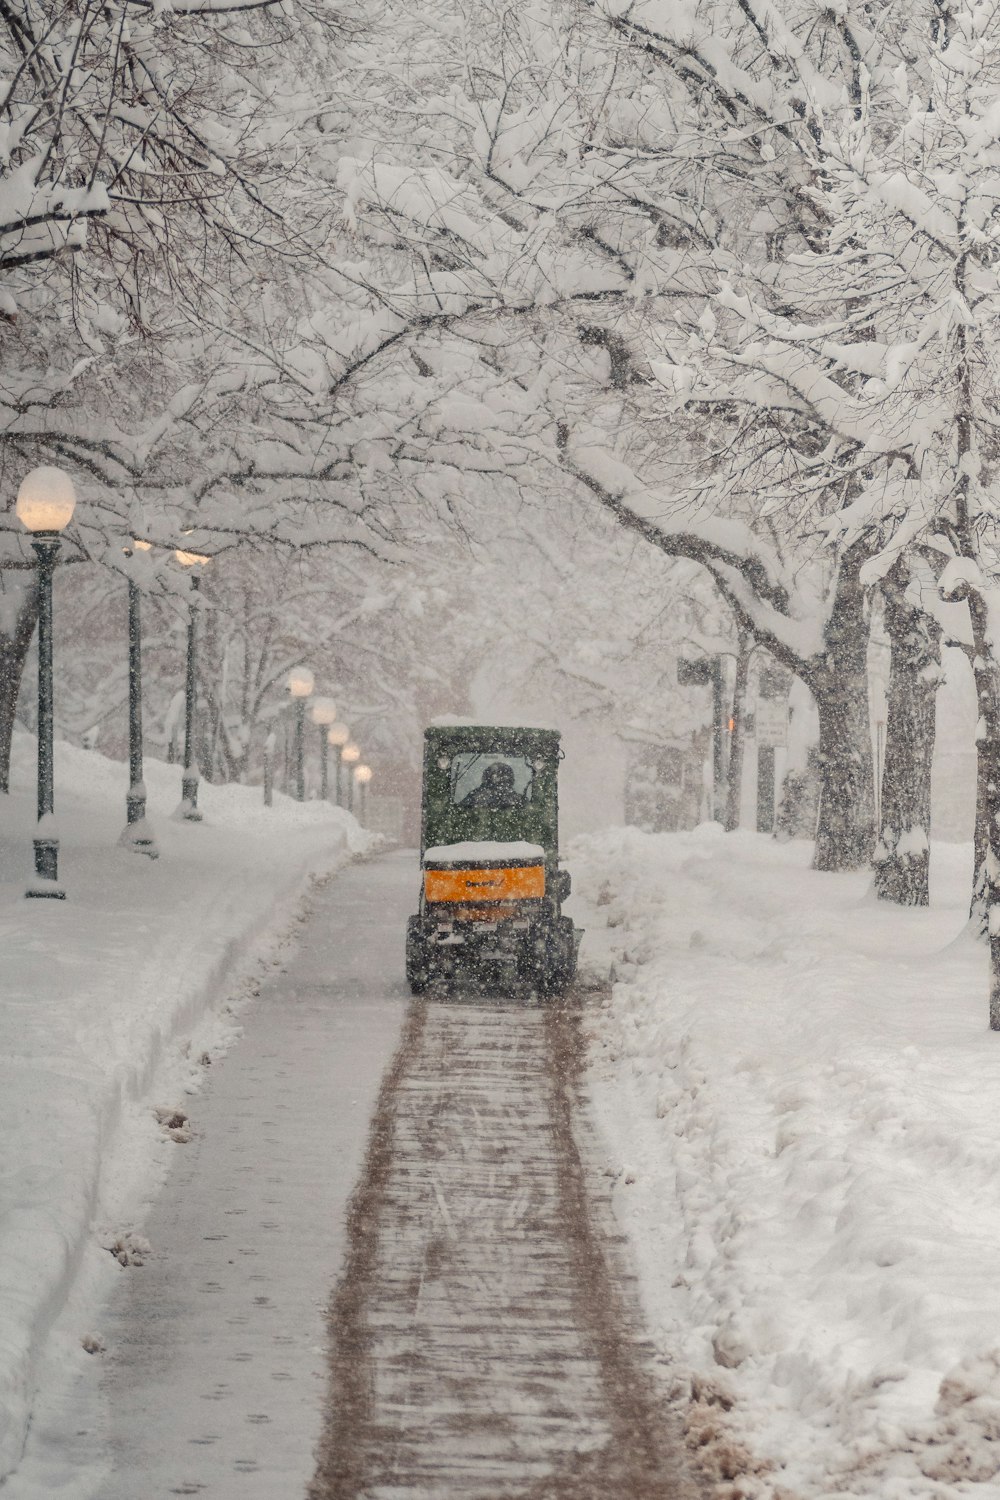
x: 765, y: 789
x: 771, y: 730
x: 707, y: 671
x: 771, y: 721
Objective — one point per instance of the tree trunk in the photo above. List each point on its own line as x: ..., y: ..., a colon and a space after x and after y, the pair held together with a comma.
x: 986, y: 892
x: 13, y: 652
x: 902, y: 857
x: 737, y: 741
x: 985, y: 908
x: 845, y: 832
x: 981, y: 833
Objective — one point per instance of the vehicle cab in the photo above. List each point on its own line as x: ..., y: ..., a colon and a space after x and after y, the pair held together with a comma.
x: 491, y: 889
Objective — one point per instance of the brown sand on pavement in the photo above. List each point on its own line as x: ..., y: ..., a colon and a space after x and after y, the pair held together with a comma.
x: 484, y: 1336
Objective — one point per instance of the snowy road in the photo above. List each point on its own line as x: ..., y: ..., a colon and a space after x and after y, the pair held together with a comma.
x: 484, y: 1342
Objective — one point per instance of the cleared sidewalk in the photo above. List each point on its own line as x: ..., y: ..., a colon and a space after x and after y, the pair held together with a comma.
x: 109, y: 1001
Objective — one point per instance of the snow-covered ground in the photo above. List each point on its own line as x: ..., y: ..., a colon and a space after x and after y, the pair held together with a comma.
x: 801, y: 1102
x: 112, y: 1004
x: 797, y: 1087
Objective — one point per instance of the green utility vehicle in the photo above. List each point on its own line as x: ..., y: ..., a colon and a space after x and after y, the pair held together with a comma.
x: 491, y: 889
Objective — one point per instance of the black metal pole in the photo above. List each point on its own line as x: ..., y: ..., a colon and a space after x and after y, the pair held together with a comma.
x: 350, y: 790
x: 340, y: 778
x: 324, y: 768
x: 137, y: 834
x: 189, y: 779
x: 300, y: 749
x: 135, y: 801
x: 45, y: 546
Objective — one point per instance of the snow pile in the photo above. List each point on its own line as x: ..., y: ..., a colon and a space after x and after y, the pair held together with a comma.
x: 483, y: 850
x: 107, y: 1001
x: 801, y: 1097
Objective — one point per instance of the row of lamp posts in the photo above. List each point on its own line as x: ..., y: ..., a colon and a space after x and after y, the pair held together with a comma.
x: 45, y: 504
x: 323, y: 713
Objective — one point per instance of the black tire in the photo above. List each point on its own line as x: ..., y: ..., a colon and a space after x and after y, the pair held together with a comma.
x: 555, y: 970
x: 418, y: 969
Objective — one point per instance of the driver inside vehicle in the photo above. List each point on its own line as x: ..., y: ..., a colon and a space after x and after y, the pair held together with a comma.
x: 497, y: 790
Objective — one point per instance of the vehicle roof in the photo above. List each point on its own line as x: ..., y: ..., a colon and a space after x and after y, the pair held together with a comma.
x: 490, y: 736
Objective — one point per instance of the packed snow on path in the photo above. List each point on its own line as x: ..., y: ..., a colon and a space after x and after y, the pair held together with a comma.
x: 800, y: 1097
x: 213, y: 1379
x: 111, y: 1002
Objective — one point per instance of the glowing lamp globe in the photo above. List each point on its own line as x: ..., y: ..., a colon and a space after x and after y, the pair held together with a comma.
x: 301, y: 682
x: 350, y: 753
x: 338, y: 734
x: 322, y: 711
x: 46, y: 500
x: 363, y: 774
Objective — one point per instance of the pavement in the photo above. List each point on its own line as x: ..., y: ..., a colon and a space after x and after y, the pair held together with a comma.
x: 213, y: 1379
x: 485, y: 1337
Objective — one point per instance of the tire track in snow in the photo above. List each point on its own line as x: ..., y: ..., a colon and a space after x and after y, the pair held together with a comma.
x: 484, y: 1341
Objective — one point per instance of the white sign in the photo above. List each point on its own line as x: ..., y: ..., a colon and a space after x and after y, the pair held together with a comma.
x: 771, y: 721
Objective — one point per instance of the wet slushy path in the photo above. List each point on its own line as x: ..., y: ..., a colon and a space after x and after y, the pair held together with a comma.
x: 484, y: 1337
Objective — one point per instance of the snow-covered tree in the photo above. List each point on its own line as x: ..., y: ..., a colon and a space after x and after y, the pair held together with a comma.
x: 163, y: 223
x: 572, y: 207
x: 706, y: 239
x: 885, y: 343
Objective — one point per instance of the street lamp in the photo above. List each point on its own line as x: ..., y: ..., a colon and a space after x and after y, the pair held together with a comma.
x: 323, y: 712
x: 188, y: 809
x: 44, y: 506
x: 137, y: 833
x: 362, y: 775
x: 348, y: 755
x: 300, y: 684
x: 337, y: 736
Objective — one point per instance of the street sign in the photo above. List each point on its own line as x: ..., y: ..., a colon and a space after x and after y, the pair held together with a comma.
x: 771, y: 721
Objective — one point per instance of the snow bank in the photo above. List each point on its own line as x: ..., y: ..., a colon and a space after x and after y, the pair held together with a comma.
x: 483, y: 849
x: 102, y: 992
x: 800, y: 1096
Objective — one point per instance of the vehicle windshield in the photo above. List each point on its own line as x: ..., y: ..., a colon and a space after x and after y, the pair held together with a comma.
x: 479, y: 779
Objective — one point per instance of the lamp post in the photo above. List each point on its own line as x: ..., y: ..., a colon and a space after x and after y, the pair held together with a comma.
x: 363, y: 775
x: 300, y: 684
x: 348, y: 756
x: 337, y: 736
x: 45, y: 504
x: 323, y: 711
x: 137, y: 833
x: 188, y: 809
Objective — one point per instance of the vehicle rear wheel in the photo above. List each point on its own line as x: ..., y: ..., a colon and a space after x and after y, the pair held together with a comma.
x: 554, y: 969
x: 418, y: 968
